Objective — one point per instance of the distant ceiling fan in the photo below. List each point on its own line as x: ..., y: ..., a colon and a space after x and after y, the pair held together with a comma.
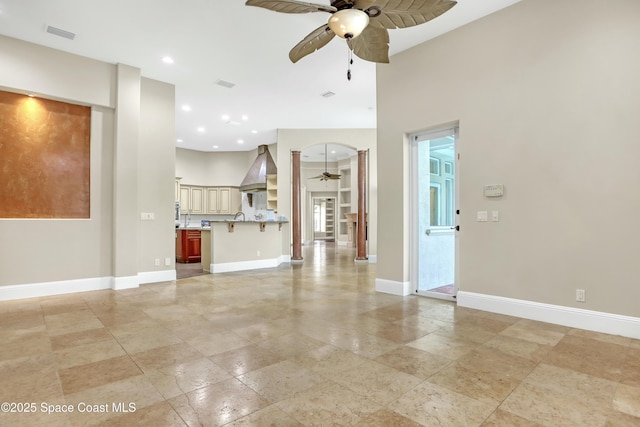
x: 363, y: 23
x: 325, y: 176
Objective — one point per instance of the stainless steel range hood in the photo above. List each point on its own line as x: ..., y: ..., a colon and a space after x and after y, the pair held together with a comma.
x: 256, y: 178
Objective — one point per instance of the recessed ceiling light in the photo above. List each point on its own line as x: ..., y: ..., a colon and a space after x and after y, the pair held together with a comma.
x: 31, y: 95
x: 254, y: 131
x: 225, y: 117
x: 215, y: 146
x: 179, y: 140
x: 186, y: 108
x: 201, y: 129
x: 333, y: 151
x: 244, y: 117
x: 167, y: 60
x: 240, y: 141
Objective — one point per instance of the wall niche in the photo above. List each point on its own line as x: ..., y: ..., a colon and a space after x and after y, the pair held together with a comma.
x: 44, y: 158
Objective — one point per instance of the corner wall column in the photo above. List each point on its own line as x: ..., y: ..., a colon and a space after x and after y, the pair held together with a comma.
x: 125, y: 178
x: 296, y: 209
x: 361, y: 247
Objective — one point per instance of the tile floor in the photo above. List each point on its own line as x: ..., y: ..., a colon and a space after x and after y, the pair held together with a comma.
x: 302, y: 345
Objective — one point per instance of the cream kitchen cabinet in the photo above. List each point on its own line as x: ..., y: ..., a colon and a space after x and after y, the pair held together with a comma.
x: 185, y: 196
x: 223, y: 200
x: 192, y: 199
x: 197, y: 200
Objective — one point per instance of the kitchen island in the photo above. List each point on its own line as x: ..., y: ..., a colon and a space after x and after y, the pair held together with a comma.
x: 242, y: 245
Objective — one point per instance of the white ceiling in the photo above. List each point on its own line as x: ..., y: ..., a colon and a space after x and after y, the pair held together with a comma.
x: 226, y: 40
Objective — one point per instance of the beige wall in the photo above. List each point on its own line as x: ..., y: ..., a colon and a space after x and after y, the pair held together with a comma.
x: 547, y: 95
x: 156, y: 180
x: 213, y: 168
x: 109, y: 244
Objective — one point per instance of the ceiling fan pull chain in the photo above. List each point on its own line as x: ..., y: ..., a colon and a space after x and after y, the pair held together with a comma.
x: 350, y: 58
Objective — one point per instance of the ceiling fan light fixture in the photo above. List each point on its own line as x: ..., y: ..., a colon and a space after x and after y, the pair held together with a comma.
x: 348, y: 23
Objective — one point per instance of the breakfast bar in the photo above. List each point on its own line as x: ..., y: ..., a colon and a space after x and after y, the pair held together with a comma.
x: 242, y: 245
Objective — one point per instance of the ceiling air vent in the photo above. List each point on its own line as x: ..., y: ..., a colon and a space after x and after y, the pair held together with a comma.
x: 225, y: 83
x: 59, y: 32
x: 328, y: 94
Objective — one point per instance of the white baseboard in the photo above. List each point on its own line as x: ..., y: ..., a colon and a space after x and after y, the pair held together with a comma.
x: 44, y: 289
x: 373, y: 259
x: 596, y: 321
x: 34, y: 290
x: 392, y: 287
x: 245, y: 265
x: 284, y: 258
x: 156, y: 276
x: 125, y: 282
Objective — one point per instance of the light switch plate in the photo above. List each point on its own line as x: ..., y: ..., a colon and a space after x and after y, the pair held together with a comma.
x: 495, y: 216
x: 481, y: 216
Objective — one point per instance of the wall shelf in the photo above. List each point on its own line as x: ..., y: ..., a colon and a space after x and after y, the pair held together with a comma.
x: 272, y: 192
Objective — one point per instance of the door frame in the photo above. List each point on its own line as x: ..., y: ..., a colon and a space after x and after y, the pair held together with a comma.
x: 413, y: 208
x: 313, y: 232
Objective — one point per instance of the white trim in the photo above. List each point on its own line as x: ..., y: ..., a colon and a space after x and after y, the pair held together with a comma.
x: 156, y: 276
x: 393, y: 287
x: 451, y: 129
x: 246, y: 265
x: 597, y: 321
x: 34, y: 290
x: 373, y: 259
x: 125, y: 282
x: 284, y: 258
x: 44, y: 289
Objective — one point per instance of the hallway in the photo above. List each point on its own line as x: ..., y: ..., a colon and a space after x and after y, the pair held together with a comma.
x: 309, y: 344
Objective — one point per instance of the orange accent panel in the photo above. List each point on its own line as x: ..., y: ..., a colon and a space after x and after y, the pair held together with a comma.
x: 44, y: 158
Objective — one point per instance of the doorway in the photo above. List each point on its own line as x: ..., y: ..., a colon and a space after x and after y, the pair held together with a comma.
x: 434, y: 169
x: 324, y: 218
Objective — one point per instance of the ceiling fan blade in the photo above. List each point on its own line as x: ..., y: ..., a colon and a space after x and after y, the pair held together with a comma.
x: 372, y: 45
x: 407, y: 13
x: 363, y: 4
x: 314, y: 41
x: 334, y: 176
x: 291, y: 6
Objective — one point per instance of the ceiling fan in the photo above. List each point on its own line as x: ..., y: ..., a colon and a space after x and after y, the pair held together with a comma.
x: 325, y: 176
x: 363, y: 23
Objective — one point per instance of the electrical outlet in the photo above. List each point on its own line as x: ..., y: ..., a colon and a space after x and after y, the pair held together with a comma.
x: 580, y: 295
x: 157, y: 261
x: 258, y: 254
x: 167, y: 261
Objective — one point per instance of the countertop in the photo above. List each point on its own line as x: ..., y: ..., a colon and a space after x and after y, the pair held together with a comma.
x: 198, y: 227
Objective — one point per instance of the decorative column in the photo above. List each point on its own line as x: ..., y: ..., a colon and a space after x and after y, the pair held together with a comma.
x: 361, y: 246
x: 296, y: 210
